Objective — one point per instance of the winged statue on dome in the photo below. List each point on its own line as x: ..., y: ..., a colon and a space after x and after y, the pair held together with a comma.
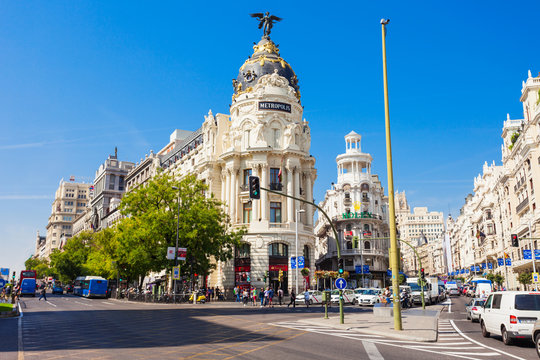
x: 266, y: 21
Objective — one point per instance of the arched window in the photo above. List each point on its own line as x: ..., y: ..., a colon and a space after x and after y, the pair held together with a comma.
x: 242, y: 251
x: 367, y: 245
x: 348, y: 227
x: 364, y: 187
x: 366, y: 227
x: 348, y: 245
x: 278, y: 249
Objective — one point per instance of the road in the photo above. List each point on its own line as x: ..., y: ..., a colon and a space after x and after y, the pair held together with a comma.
x: 68, y: 327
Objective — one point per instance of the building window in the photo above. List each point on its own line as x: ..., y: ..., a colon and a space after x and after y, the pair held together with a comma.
x: 247, y: 174
x: 274, y: 176
x: 242, y: 251
x: 275, y: 212
x: 112, y: 180
x: 306, y: 257
x: 247, y: 212
x: 278, y: 249
x: 121, y: 183
x: 367, y: 245
x: 277, y: 137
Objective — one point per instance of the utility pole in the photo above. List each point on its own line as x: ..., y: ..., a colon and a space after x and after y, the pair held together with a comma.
x: 394, y: 260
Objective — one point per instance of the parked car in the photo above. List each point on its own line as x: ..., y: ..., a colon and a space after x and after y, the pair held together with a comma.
x: 368, y: 297
x: 57, y: 289
x: 68, y: 288
x: 474, y: 308
x: 315, y: 297
x: 536, y: 337
x: 510, y: 314
x: 348, y: 296
x: 453, y: 292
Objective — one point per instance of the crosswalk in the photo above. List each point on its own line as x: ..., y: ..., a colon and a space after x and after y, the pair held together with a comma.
x: 449, y: 343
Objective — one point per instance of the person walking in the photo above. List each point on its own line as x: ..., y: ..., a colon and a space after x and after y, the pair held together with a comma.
x: 237, y: 293
x: 245, y: 296
x: 254, y: 296
x: 306, y: 298
x: 43, y: 293
x: 293, y: 299
x: 270, y: 297
x: 280, y: 295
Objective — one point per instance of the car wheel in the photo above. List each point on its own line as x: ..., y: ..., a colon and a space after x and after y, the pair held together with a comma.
x: 310, y: 300
x: 537, y: 343
x: 485, y: 333
x: 507, y: 340
x: 468, y: 317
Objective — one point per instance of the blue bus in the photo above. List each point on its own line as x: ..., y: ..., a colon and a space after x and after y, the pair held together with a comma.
x: 90, y: 286
x: 28, y: 287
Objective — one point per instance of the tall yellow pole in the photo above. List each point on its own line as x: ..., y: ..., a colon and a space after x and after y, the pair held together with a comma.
x: 394, y: 255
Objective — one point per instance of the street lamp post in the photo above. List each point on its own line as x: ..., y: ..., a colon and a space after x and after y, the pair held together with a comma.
x: 394, y: 259
x: 298, y: 211
x: 533, y: 257
x: 177, y: 230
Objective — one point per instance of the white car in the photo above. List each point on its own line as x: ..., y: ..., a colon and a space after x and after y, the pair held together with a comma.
x: 453, y: 291
x: 315, y: 297
x: 348, y: 296
x: 369, y: 297
x: 474, y: 308
x: 510, y: 314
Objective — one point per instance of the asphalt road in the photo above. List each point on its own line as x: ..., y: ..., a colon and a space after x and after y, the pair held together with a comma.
x: 68, y: 327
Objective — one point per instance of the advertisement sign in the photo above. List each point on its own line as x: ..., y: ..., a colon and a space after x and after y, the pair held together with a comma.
x: 176, y: 273
x: 181, y: 253
x: 277, y: 267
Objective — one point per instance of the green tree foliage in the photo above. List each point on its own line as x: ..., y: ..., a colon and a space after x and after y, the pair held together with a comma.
x: 70, y: 263
x: 41, y: 266
x: 525, y: 278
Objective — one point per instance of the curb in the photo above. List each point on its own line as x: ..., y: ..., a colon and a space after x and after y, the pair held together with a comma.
x: 10, y: 314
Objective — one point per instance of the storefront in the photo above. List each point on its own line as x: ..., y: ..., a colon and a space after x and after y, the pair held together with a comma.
x: 242, y: 266
x: 278, y: 259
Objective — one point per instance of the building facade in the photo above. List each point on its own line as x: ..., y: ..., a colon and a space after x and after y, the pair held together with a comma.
x: 359, y: 210
x: 504, y: 202
x: 70, y: 200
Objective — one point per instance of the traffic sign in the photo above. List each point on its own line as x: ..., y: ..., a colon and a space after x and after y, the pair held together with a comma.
x: 293, y: 262
x: 300, y: 262
x: 527, y: 255
x: 4, y: 271
x: 176, y: 272
x: 341, y: 283
x: 2, y: 283
x: 535, y: 278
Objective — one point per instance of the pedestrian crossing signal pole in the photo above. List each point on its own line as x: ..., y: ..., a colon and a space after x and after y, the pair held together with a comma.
x: 394, y: 259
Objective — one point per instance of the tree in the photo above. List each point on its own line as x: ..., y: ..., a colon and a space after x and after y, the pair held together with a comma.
x: 70, y: 263
x: 41, y: 266
x: 150, y: 227
x: 525, y: 278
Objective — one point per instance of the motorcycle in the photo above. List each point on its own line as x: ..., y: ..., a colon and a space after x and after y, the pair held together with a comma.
x: 405, y: 300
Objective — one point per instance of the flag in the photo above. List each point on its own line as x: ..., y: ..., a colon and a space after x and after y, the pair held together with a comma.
x: 423, y: 237
x: 506, y: 256
x: 280, y: 173
x: 480, y: 235
x: 72, y: 178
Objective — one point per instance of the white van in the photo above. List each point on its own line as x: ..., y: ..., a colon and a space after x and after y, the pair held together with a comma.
x: 431, y: 290
x: 511, y: 314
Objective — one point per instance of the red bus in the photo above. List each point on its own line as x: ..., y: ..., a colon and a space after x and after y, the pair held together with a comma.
x: 28, y: 274
x: 27, y: 282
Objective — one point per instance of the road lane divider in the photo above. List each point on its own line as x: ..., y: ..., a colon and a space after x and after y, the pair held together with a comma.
x: 50, y: 303
x: 20, y: 352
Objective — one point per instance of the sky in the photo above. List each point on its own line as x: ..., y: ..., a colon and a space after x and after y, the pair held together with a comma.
x: 79, y: 78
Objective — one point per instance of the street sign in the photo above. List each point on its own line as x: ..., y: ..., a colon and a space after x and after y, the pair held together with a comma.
x: 366, y: 269
x: 293, y: 262
x: 176, y: 273
x: 508, y: 262
x: 500, y: 261
x: 535, y: 278
x: 341, y: 283
x: 490, y: 266
x: 527, y: 255
x: 2, y: 283
x: 537, y: 254
x: 300, y: 262
x: 4, y: 271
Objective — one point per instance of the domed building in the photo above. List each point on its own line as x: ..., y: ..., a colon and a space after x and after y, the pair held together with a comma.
x: 264, y: 135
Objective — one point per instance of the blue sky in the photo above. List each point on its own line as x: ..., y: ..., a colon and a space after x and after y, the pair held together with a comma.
x: 79, y: 78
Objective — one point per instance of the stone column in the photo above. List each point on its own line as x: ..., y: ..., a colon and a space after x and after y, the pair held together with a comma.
x: 296, y: 189
x: 234, y: 197
x: 290, y: 206
x: 264, y: 194
x: 228, y: 190
x: 255, y: 203
x: 309, y: 197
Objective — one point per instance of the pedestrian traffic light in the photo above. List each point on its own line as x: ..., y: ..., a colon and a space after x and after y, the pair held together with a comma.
x: 254, y: 187
x: 515, y: 240
x: 340, y: 266
x: 422, y: 274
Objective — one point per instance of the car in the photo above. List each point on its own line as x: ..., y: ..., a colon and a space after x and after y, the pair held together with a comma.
x: 473, y: 309
x: 368, y: 297
x: 510, y: 314
x: 536, y: 337
x: 471, y: 291
x: 68, y: 288
x: 57, y: 289
x: 453, y: 292
x: 357, y: 293
x: 315, y: 297
x: 348, y: 296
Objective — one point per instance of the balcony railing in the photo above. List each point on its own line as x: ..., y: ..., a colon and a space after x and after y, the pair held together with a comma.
x: 522, y: 205
x: 276, y: 186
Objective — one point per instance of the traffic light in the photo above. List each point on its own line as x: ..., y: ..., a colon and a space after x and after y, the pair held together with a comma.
x: 422, y: 274
x: 280, y: 275
x: 14, y: 275
x: 340, y: 266
x: 254, y: 187
x: 515, y: 240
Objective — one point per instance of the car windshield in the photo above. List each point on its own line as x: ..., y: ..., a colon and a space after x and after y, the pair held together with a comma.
x: 528, y: 302
x: 479, y: 302
x: 415, y: 287
x: 370, y: 292
x: 334, y: 292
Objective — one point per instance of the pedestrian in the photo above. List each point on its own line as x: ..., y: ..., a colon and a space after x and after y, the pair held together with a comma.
x: 266, y: 296
x: 245, y: 296
x: 280, y: 295
x: 387, y: 295
x: 254, y: 296
x: 293, y: 299
x: 306, y: 298
x: 261, y: 296
x: 270, y: 297
x: 237, y: 293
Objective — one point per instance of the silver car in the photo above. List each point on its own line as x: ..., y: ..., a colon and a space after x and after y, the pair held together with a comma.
x: 473, y: 309
x: 536, y: 337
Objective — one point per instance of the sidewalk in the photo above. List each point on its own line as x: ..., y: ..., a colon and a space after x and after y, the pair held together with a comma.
x: 418, y: 324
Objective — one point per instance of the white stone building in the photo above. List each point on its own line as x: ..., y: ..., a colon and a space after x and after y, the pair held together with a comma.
x: 359, y: 210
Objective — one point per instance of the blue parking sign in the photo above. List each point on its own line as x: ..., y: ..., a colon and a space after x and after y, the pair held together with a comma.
x: 527, y: 255
x: 293, y: 262
x: 500, y: 261
x: 508, y: 262
x: 2, y: 283
x: 4, y: 271
x: 537, y: 254
x: 300, y: 262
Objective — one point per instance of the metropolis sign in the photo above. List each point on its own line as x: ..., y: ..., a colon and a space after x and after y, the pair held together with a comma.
x: 271, y: 105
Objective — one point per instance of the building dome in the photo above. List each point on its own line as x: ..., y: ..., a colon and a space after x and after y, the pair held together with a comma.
x: 265, y: 60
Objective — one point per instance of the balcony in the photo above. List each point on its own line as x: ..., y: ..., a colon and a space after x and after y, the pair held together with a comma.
x: 276, y: 186
x: 244, y: 187
x: 365, y: 198
x: 522, y: 205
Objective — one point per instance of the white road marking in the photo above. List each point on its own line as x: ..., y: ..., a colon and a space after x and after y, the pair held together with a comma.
x: 476, y: 354
x: 108, y: 303
x: 485, y: 346
x: 20, y: 353
x: 371, y: 351
x: 78, y: 302
x: 50, y: 303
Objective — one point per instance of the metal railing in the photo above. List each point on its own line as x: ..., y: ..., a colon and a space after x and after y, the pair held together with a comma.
x: 522, y: 205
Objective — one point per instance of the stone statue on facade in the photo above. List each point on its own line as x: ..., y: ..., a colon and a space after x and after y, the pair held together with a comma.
x: 259, y: 134
x: 266, y: 21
